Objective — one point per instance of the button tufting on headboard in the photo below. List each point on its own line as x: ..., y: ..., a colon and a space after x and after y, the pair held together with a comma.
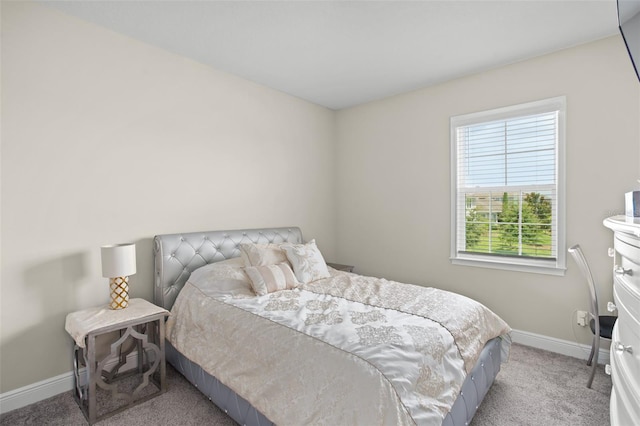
x: 177, y: 255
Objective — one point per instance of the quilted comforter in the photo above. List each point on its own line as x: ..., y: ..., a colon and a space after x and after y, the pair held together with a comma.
x: 347, y: 349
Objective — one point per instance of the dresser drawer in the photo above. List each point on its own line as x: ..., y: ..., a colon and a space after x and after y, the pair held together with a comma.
x: 628, y: 267
x: 625, y: 395
x: 627, y: 330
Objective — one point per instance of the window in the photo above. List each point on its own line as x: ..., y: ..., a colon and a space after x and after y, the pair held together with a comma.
x: 507, y: 190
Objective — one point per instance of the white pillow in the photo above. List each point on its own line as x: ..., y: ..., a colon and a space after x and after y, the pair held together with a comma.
x: 232, y: 261
x: 307, y: 261
x: 224, y: 278
x: 270, y: 278
x: 262, y: 254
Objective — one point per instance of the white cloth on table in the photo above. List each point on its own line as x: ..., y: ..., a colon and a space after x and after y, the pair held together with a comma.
x: 79, y: 324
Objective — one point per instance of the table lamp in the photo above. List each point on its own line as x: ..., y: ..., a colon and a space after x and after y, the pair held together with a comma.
x: 118, y: 262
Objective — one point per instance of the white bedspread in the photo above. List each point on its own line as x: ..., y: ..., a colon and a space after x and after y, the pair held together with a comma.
x: 343, y: 350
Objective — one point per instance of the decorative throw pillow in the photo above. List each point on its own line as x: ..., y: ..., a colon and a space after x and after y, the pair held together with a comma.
x: 262, y: 254
x: 270, y: 278
x: 307, y: 261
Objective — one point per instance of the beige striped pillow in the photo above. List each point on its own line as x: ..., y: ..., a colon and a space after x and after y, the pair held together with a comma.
x: 270, y: 278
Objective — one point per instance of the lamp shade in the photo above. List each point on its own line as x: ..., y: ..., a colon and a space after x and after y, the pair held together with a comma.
x: 118, y: 260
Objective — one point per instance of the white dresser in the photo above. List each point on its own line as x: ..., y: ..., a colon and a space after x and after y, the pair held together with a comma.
x: 625, y: 342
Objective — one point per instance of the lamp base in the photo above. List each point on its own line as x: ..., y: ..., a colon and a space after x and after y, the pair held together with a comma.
x: 119, y: 292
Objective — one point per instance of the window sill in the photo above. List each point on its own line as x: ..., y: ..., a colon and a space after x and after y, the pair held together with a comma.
x: 542, y: 267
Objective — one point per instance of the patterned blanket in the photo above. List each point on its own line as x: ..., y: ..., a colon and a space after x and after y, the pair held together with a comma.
x: 347, y: 349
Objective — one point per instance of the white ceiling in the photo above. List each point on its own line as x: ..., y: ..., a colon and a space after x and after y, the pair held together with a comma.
x: 343, y: 53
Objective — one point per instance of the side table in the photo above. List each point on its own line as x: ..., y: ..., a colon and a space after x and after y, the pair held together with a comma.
x: 140, y: 333
x: 341, y: 267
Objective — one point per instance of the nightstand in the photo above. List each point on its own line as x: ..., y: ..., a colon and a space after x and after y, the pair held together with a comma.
x: 106, y: 341
x: 340, y: 267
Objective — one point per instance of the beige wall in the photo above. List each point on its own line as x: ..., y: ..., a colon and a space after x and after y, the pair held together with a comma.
x: 393, y: 170
x: 105, y: 140
x: 108, y: 140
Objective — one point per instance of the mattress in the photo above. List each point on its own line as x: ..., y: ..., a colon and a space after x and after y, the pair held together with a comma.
x: 346, y: 349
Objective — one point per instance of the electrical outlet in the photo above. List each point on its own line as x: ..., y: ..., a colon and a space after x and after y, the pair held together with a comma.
x: 581, y: 318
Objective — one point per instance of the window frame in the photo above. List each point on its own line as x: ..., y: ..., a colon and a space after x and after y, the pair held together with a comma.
x: 555, y: 266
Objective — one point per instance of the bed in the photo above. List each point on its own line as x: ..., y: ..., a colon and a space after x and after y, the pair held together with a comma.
x: 335, y: 348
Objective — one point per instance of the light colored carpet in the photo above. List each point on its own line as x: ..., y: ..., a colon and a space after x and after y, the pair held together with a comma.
x: 537, y: 387
x: 534, y: 388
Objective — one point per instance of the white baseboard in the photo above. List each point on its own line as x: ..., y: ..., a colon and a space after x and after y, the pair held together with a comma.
x: 563, y: 347
x: 44, y: 389
x: 63, y: 383
x: 35, y: 392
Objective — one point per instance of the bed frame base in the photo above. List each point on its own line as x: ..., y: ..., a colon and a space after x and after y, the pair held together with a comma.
x: 227, y: 400
x: 474, y: 388
x: 476, y: 385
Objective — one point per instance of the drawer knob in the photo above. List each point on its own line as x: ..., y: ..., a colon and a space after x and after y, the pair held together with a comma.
x: 607, y: 369
x: 611, y: 252
x: 622, y: 348
x: 621, y: 271
x: 611, y: 307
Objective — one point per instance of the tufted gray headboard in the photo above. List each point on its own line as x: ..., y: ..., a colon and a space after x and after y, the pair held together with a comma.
x: 177, y: 255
